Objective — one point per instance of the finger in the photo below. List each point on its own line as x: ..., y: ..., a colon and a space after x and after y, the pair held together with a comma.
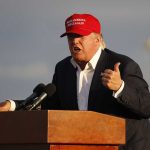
x: 116, y: 67
x: 108, y: 71
x: 106, y: 82
x: 107, y: 76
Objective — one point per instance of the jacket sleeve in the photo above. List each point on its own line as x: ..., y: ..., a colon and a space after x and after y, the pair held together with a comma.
x: 135, y: 94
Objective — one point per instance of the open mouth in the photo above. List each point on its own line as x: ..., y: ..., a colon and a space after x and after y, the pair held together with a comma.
x: 76, y: 49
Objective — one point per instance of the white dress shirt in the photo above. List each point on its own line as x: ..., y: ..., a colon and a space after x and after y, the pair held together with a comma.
x: 84, y: 79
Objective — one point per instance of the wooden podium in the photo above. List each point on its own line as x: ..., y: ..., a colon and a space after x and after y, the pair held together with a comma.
x: 60, y: 130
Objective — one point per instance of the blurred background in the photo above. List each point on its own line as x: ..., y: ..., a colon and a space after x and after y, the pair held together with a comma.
x: 30, y: 45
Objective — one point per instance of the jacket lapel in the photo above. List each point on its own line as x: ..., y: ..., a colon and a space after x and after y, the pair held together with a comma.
x: 70, y: 87
x: 96, y: 85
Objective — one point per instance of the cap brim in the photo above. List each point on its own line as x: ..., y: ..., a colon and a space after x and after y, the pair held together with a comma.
x: 64, y: 34
x: 82, y: 32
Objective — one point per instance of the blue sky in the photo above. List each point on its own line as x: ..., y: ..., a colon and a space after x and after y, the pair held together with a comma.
x: 30, y: 45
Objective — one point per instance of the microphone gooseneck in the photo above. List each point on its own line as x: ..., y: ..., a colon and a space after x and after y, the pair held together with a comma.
x: 48, y: 91
x: 36, y: 92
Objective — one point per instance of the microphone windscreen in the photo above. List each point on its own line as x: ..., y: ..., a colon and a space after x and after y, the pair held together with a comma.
x: 39, y: 89
x: 50, y: 89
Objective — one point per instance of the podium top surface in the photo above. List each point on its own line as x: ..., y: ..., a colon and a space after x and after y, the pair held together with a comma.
x: 59, y: 126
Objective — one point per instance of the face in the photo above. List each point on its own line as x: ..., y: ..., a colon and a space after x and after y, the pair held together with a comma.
x: 83, y: 48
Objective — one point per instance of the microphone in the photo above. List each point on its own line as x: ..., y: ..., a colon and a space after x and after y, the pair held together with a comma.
x: 49, y: 90
x: 36, y: 92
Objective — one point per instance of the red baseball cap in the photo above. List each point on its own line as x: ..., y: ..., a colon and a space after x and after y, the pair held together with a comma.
x: 82, y: 24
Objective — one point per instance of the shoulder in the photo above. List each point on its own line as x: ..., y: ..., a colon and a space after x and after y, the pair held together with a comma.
x: 117, y: 57
x: 64, y: 63
x: 127, y: 63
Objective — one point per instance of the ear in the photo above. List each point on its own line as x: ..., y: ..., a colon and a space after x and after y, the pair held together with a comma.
x: 98, y: 38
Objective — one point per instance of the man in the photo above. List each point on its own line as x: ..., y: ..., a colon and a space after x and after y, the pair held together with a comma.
x: 95, y: 78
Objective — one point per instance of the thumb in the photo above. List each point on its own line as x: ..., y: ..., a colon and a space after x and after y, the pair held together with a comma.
x: 116, y: 67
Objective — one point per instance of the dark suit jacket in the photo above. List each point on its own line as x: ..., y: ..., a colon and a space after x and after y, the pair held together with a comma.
x: 133, y: 104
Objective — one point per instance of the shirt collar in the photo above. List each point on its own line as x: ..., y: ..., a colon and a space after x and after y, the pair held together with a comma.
x: 92, y: 63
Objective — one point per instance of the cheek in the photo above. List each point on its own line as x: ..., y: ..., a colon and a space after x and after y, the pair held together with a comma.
x: 88, y: 46
x: 89, y: 50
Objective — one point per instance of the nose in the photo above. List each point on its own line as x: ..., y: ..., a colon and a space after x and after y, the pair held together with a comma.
x: 76, y: 40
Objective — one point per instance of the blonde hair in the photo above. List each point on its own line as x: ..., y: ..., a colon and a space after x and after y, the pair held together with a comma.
x: 102, y: 42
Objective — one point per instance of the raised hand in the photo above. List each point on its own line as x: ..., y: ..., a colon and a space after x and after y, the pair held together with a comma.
x: 111, y: 78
